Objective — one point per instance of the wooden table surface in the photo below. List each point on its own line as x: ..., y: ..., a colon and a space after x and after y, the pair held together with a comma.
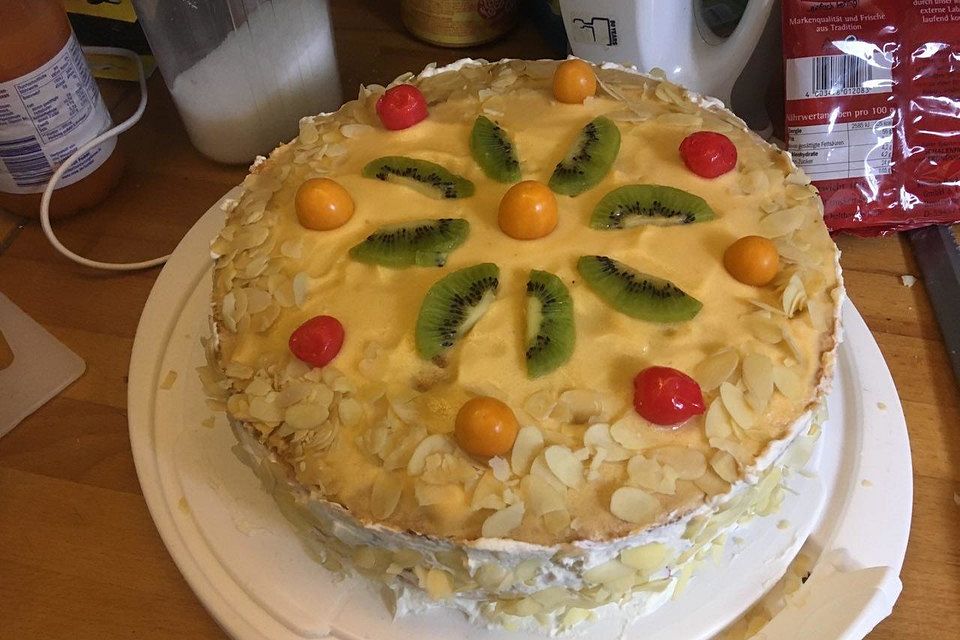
x: 79, y: 555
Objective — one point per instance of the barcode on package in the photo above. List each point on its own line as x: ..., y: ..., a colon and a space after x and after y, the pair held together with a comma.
x: 839, y: 75
x: 25, y: 162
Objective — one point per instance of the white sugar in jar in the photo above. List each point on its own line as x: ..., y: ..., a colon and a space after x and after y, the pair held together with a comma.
x: 243, y: 72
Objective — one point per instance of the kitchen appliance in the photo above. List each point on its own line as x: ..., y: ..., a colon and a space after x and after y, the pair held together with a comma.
x: 699, y: 44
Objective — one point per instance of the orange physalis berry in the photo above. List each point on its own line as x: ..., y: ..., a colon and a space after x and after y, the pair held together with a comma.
x: 485, y: 427
x: 528, y: 211
x: 323, y: 204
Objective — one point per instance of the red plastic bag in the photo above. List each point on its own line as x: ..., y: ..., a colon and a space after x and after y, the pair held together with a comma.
x: 873, y: 109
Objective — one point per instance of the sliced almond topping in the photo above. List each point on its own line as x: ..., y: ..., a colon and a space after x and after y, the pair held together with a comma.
x: 736, y: 405
x: 717, y: 421
x: 503, y: 522
x: 540, y: 496
x: 626, y: 432
x: 794, y: 296
x: 788, y: 383
x: 564, y: 465
x: 438, y: 584
x: 712, y: 484
x: 758, y: 378
x: 437, y: 443
x: 725, y: 466
x: 634, y: 505
x: 306, y: 416
x: 491, y: 575
x: 716, y: 369
x: 598, y: 436
x: 557, y: 522
x: 584, y: 405
x: 539, y: 405
x: 528, y: 444
x: 488, y: 493
x: 647, y: 559
x: 763, y: 327
x: 540, y: 468
x: 428, y: 494
x: 500, y: 467
x: 608, y: 572
x: 688, y: 463
x: 780, y: 223
x: 385, y: 495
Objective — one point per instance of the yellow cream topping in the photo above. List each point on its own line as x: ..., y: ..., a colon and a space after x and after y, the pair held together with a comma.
x: 378, y: 306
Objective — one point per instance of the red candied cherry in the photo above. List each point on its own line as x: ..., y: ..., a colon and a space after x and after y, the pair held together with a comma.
x: 708, y: 154
x: 665, y: 396
x: 401, y: 106
x: 318, y: 340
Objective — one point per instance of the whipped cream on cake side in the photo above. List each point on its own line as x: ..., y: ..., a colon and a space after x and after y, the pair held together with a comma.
x: 360, y: 453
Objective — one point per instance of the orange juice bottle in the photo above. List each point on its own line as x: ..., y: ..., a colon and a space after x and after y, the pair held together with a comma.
x: 49, y: 106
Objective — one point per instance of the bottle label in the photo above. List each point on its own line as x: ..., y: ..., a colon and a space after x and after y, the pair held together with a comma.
x: 45, y: 116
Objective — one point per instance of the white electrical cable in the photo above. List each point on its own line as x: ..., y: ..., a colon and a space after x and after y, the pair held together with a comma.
x: 106, y: 135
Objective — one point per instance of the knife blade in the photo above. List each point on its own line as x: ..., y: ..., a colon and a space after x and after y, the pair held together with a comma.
x: 936, y: 251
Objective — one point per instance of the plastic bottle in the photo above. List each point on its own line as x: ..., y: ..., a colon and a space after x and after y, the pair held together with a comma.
x: 49, y: 105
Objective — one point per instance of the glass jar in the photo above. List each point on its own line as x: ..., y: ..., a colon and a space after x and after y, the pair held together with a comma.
x: 243, y: 72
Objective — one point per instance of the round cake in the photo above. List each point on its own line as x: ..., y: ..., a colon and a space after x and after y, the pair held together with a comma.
x: 524, y: 338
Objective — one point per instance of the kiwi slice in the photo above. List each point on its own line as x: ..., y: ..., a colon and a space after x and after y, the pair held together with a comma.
x: 550, y: 329
x: 589, y: 159
x: 637, y: 294
x: 426, y: 177
x: 424, y: 243
x: 453, y: 305
x: 637, y: 204
x: 493, y: 151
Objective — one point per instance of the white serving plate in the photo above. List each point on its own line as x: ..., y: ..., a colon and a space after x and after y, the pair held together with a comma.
x: 254, y: 575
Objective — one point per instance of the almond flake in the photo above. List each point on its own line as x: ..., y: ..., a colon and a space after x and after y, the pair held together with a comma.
x: 584, y: 405
x: 794, y: 296
x: 564, y: 465
x: 716, y: 369
x: 539, y: 405
x: 649, y: 474
x: 717, y: 421
x: 780, y: 223
x: 540, y: 468
x: 428, y: 494
x: 633, y: 505
x: 646, y: 559
x: 487, y: 494
x: 437, y: 443
x: 598, y: 436
x: 608, y: 572
x: 725, y: 465
x: 689, y: 464
x: 355, y: 130
x: 788, y: 383
x: 712, y: 484
x: 500, y: 467
x: 736, y: 405
x: 301, y: 283
x: 557, y: 522
x: 438, y: 584
x: 763, y: 327
x: 385, y: 495
x: 758, y: 378
x: 626, y: 432
x: 306, y: 416
x: 526, y: 447
x: 503, y: 522
x: 540, y: 497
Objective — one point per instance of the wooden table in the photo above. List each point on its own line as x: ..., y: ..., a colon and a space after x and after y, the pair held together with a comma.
x: 79, y: 555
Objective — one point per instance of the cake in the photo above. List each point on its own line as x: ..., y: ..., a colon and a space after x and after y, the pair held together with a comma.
x: 348, y: 346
